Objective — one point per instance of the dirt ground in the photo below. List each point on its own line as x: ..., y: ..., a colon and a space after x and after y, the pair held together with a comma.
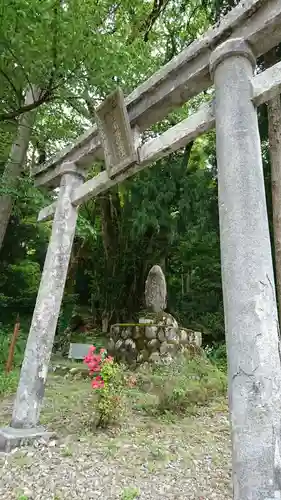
x: 146, y: 457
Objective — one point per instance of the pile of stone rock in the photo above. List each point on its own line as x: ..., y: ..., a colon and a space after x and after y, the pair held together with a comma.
x: 157, y: 337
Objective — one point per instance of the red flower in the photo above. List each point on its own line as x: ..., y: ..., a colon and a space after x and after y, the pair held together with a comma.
x: 97, y: 383
x: 94, y: 368
x: 88, y: 358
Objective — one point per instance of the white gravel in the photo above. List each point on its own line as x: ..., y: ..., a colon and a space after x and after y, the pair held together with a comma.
x: 189, y: 459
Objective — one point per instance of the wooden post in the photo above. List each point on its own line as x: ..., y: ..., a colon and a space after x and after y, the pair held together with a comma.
x: 12, y: 345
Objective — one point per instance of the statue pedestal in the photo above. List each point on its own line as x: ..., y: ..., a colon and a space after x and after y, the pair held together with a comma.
x: 155, y: 339
x: 11, y: 438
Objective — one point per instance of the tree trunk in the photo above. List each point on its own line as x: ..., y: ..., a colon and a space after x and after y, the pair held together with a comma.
x: 274, y: 138
x: 110, y: 212
x: 16, y: 161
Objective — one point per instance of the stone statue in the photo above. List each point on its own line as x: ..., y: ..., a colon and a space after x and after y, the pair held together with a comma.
x: 157, y: 337
x: 156, y: 290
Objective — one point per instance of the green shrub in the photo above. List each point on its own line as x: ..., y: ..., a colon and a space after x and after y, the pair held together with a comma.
x: 183, y: 385
x: 6, y: 334
x: 217, y: 355
x: 108, y: 382
x: 19, y: 285
x: 110, y: 405
x: 8, y: 382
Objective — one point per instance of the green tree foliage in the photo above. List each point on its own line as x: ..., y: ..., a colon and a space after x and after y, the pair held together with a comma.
x: 76, y: 53
x: 167, y: 215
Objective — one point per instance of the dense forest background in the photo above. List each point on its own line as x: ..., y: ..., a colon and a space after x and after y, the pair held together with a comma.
x: 74, y: 53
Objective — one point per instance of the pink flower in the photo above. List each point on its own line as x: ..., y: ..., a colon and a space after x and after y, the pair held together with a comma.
x: 93, y: 367
x: 102, y: 351
x: 97, y: 383
x: 87, y: 359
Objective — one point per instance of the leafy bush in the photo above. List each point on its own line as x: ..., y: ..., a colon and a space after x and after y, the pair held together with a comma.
x: 108, y: 381
x: 5, y: 341
x: 8, y: 382
x: 19, y: 285
x: 183, y: 385
x: 217, y: 355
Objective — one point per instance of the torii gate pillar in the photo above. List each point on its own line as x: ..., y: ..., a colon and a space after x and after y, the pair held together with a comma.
x: 252, y: 334
x: 40, y: 340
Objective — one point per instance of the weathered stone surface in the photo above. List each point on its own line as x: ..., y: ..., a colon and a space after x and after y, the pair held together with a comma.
x: 145, y: 355
x: 146, y: 321
x: 167, y: 358
x: 126, y: 332
x: 198, y: 338
x: 111, y: 345
x: 39, y: 345
x: 118, y: 344
x: 161, y: 335
x: 195, y: 338
x: 156, y: 332
x: 156, y: 290
x: 137, y: 332
x: 167, y: 319
x: 78, y: 351
x: 81, y: 371
x: 129, y: 343
x: 171, y: 334
x: 130, y: 354
x: 251, y: 318
x: 141, y: 343
x: 165, y: 347
x: 115, y: 133
x: 140, y: 358
x: 154, y: 357
x: 59, y: 369
x: 151, y: 332
x: 115, y: 331
x: 183, y: 337
x: 153, y: 345
x: 136, y: 342
x: 11, y: 438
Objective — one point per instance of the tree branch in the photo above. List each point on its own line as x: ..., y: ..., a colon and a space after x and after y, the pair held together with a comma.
x: 158, y: 9
x: 24, y: 109
x: 75, y: 104
x: 16, y: 91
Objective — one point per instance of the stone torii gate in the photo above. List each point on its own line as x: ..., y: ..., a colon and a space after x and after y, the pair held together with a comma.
x: 226, y: 56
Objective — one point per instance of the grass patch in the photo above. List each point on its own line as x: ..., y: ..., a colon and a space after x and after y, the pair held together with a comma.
x: 130, y: 493
x: 161, y: 394
x: 66, y: 452
x: 67, y: 405
x: 165, y: 392
x: 21, y: 459
x: 181, y: 387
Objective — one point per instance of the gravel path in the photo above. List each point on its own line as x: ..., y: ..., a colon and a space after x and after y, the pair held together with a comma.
x: 189, y: 459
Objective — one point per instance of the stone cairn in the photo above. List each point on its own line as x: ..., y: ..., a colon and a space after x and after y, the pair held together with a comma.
x: 157, y: 337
